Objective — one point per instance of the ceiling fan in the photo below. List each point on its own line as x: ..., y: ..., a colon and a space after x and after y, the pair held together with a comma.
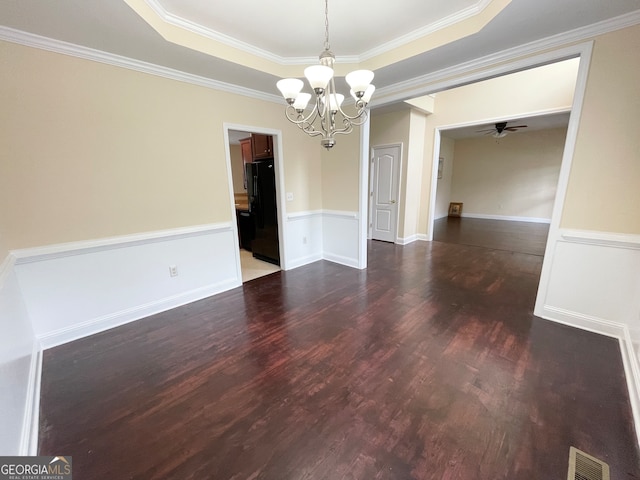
x: 500, y: 129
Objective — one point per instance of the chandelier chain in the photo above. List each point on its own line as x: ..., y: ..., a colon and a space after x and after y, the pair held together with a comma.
x: 326, y: 25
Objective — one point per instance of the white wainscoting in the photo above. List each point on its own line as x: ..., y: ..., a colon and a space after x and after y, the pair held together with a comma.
x: 20, y: 366
x: 322, y: 234
x: 510, y: 218
x: 340, y: 234
x: 78, y: 289
x: 591, y: 280
x: 304, y: 238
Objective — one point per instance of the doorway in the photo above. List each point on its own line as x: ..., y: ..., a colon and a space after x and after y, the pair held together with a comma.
x: 509, y: 65
x: 384, y: 189
x: 255, y: 193
x: 503, y: 183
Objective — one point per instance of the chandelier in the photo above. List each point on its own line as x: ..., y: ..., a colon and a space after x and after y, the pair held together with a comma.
x: 327, y: 117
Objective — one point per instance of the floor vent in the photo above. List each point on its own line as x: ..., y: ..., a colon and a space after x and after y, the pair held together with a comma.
x: 585, y: 467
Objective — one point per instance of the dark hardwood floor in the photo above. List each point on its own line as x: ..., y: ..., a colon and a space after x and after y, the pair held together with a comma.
x: 427, y: 365
x: 522, y: 237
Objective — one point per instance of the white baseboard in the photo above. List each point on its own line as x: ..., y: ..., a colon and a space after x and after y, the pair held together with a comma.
x: 30, y: 424
x: 302, y: 261
x: 632, y: 372
x: 509, y: 218
x: 116, y: 319
x: 610, y: 329
x: 582, y: 321
x: 590, y: 281
x: 406, y: 240
x: 347, y: 261
x: 417, y: 237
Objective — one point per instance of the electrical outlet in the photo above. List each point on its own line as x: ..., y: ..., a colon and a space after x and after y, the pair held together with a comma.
x: 173, y: 270
x: 304, y: 240
x: 289, y: 196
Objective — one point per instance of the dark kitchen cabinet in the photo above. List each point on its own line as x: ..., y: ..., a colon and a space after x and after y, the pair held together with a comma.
x: 247, y: 156
x: 247, y: 150
x: 262, y: 146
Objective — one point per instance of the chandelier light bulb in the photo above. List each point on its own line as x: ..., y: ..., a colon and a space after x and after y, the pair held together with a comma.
x: 359, y: 80
x: 290, y: 88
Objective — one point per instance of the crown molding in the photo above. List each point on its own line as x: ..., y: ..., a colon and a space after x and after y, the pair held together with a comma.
x: 424, y: 31
x: 78, y: 51
x: 417, y: 86
x: 198, y: 29
x: 203, y: 31
x: 428, y: 84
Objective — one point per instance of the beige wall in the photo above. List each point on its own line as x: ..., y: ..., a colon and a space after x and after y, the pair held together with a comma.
x: 91, y: 150
x: 388, y: 128
x: 512, y: 176
x: 546, y: 88
x: 443, y: 192
x: 413, y: 167
x: 604, y: 187
x: 340, y: 172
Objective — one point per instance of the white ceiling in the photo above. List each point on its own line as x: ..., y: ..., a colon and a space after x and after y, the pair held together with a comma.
x: 540, y: 122
x: 296, y: 28
x: 300, y: 24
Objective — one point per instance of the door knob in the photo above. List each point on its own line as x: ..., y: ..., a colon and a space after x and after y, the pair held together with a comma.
x: 392, y: 201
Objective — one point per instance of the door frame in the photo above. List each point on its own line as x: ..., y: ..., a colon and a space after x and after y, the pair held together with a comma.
x: 583, y: 51
x: 280, y: 193
x: 399, y: 167
x: 476, y: 123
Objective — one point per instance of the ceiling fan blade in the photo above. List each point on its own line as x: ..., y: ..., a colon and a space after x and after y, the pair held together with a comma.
x: 486, y: 130
x: 515, y: 127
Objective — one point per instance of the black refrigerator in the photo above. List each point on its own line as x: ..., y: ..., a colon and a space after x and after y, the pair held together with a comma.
x: 261, y: 187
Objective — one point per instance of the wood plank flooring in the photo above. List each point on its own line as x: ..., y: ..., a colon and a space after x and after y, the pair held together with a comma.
x: 523, y: 237
x: 427, y: 365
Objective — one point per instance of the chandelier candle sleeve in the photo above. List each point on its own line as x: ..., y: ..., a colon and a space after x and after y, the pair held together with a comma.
x: 327, y: 118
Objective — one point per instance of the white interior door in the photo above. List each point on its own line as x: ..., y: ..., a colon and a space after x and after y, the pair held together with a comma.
x: 384, y: 193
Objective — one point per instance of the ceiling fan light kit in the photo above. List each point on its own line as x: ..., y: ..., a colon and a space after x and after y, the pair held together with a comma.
x: 326, y: 117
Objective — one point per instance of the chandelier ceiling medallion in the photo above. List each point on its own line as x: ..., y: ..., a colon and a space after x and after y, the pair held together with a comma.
x: 327, y: 117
